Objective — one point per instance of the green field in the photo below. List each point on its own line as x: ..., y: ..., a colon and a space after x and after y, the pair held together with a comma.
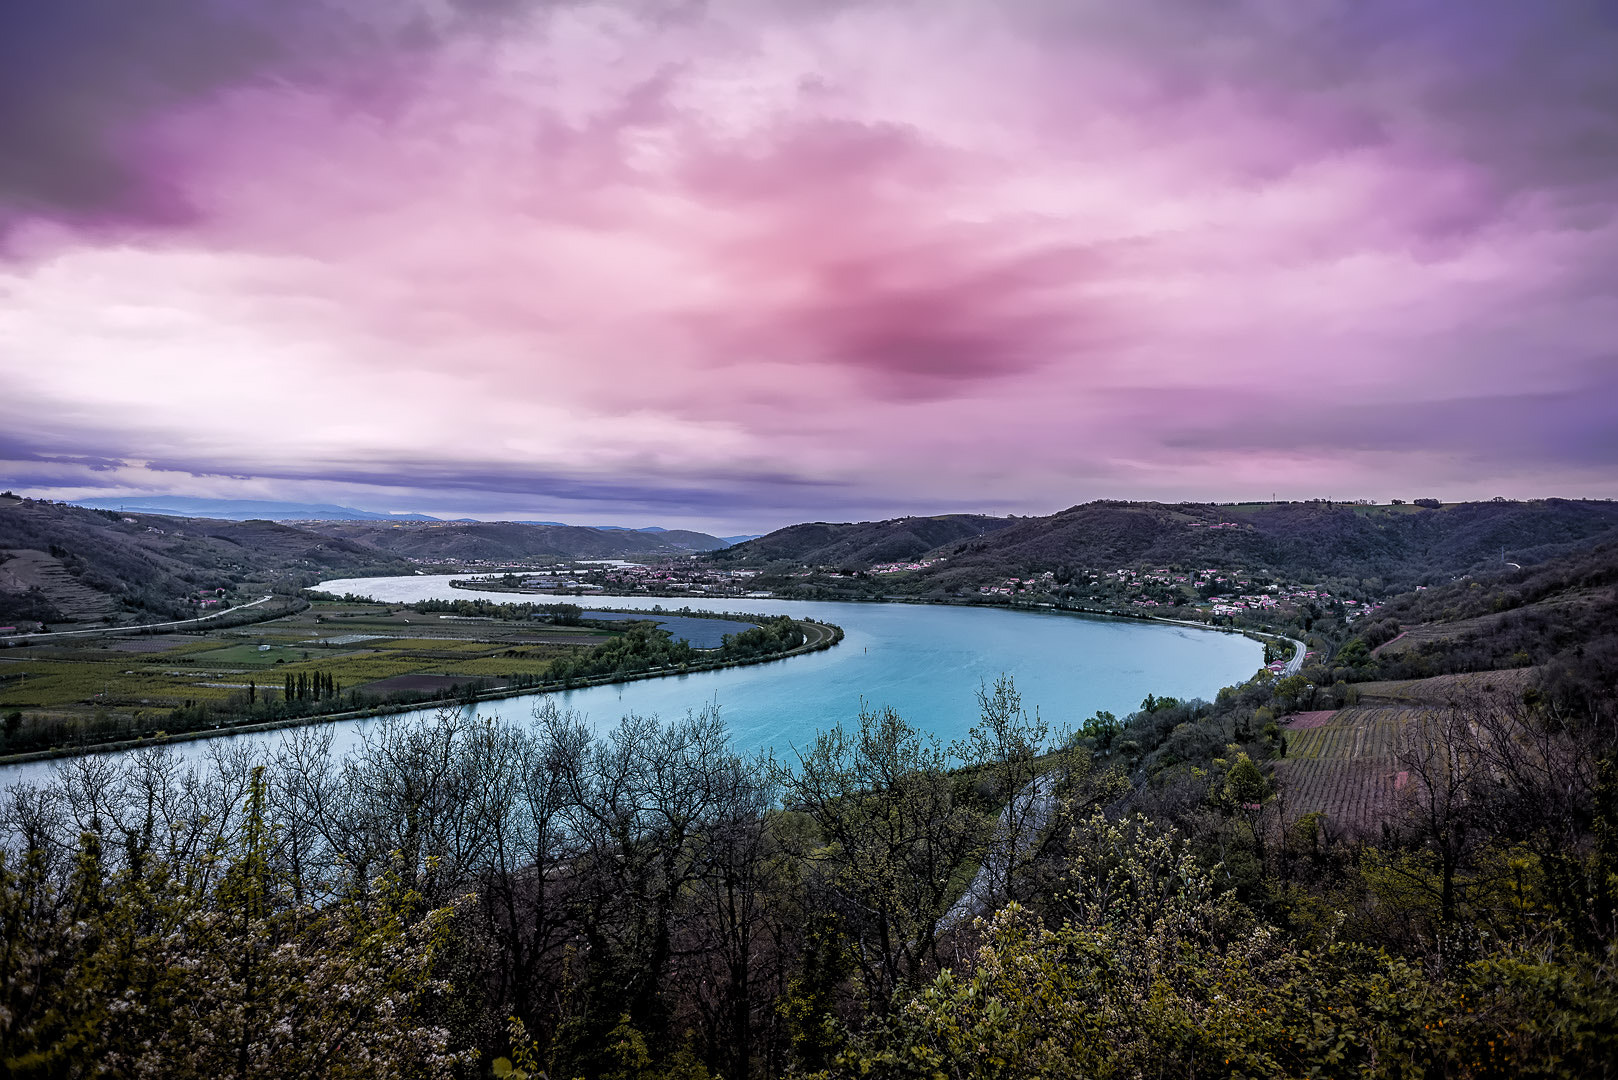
x: 129, y: 682
x: 244, y: 655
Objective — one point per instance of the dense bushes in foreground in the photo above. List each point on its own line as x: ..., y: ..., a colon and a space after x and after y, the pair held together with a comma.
x: 646, y: 903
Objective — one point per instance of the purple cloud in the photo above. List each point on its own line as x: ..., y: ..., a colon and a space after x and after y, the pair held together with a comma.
x: 796, y: 258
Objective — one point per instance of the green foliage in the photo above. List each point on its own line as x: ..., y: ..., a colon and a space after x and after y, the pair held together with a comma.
x: 1245, y: 785
x: 895, y: 835
x: 641, y: 903
x: 640, y: 648
x: 772, y: 636
x: 808, y: 1008
x: 1193, y: 989
x: 1103, y: 727
x: 149, y: 970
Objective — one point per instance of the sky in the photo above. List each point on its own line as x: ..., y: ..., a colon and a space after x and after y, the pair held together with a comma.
x: 732, y: 265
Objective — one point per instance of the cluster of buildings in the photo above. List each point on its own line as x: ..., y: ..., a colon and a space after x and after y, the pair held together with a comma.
x: 457, y: 563
x: 1211, y: 590
x: 621, y: 575
x: 1013, y: 585
x: 901, y: 567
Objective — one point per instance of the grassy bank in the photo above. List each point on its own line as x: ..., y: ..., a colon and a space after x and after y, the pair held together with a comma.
x: 336, y: 660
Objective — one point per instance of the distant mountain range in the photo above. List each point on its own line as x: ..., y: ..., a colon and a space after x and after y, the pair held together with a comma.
x: 242, y: 509
x: 62, y: 564
x: 494, y: 540
x: 268, y: 510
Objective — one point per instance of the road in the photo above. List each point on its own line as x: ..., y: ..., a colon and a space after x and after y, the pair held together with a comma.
x: 1033, y: 807
x: 1300, y: 650
x: 143, y: 628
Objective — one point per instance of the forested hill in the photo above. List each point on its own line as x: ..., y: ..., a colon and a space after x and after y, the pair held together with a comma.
x: 1386, y: 547
x: 494, y: 540
x: 1560, y: 618
x: 861, y: 543
x: 64, y: 564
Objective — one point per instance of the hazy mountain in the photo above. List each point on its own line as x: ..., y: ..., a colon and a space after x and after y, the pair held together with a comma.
x: 259, y: 509
x: 69, y: 563
x: 242, y: 509
x: 495, y: 540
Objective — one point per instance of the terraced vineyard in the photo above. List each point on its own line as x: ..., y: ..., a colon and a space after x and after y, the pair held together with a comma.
x: 1346, y: 764
x: 1347, y: 767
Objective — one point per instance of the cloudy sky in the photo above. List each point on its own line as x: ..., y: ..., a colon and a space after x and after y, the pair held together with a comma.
x: 737, y: 264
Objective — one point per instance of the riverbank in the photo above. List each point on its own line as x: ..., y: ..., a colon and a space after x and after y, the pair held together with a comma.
x: 817, y: 636
x: 1294, y: 665
x: 925, y: 662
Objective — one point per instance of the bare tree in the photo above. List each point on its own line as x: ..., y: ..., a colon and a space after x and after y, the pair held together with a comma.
x: 896, y: 840
x: 1438, y: 755
x: 638, y: 804
x: 1540, y: 784
x: 1005, y: 745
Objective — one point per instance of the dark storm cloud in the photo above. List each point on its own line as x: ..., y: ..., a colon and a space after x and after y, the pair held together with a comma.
x: 78, y: 77
x: 715, y: 491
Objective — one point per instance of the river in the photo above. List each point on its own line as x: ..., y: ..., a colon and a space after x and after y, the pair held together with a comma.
x: 926, y: 661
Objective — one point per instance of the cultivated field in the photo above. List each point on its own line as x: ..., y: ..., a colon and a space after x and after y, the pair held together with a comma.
x: 1346, y: 763
x: 1445, y: 689
x: 373, y: 648
x: 27, y: 569
x: 1346, y: 766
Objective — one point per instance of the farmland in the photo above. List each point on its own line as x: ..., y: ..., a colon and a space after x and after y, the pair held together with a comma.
x: 1346, y: 764
x: 1444, y: 689
x: 344, y: 657
x: 91, y: 685
x: 1346, y: 767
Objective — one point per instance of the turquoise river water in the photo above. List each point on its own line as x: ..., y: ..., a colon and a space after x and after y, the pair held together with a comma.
x: 926, y: 661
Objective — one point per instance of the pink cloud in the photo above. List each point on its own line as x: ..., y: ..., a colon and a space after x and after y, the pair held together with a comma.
x: 1010, y: 256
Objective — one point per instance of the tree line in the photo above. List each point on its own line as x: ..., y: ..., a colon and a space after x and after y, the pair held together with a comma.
x: 644, y: 901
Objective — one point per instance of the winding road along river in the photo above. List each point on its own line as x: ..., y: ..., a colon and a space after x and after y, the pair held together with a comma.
x: 926, y: 661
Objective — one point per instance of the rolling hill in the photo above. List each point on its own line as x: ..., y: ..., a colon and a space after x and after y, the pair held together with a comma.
x: 863, y: 543
x: 62, y: 564
x: 66, y: 564
x: 1381, y: 549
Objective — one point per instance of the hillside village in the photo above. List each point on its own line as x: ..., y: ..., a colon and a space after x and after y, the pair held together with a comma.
x: 1216, y: 595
